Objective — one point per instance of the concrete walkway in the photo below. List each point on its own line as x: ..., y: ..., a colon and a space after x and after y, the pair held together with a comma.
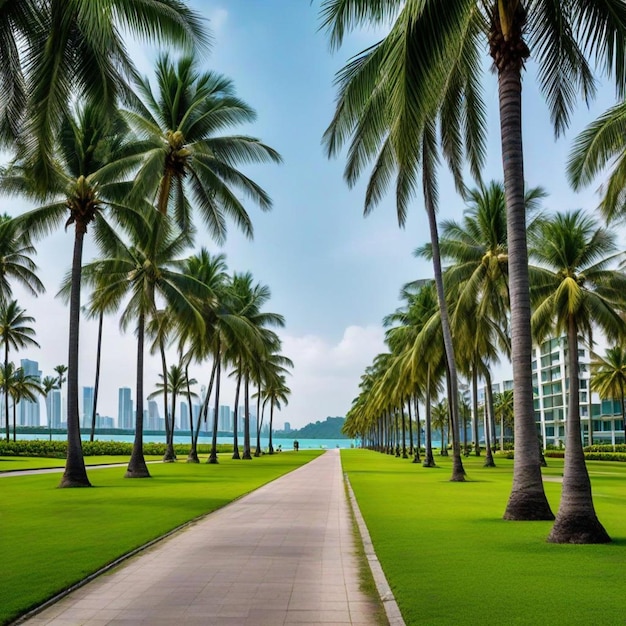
x: 284, y: 554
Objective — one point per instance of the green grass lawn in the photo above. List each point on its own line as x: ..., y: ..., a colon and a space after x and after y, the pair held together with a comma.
x: 450, y: 558
x: 51, y: 538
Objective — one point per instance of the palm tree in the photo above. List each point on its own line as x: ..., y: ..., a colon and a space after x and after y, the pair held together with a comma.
x: 143, y: 273
x: 503, y: 409
x: 15, y: 260
x: 176, y: 384
x: 277, y: 394
x: 49, y: 384
x: 86, y: 182
x: 185, y: 157
x: 60, y: 52
x: 60, y: 370
x: 419, y: 58
x: 23, y: 386
x: 600, y: 145
x: 574, y: 289
x: 16, y: 333
x: 212, y: 272
x: 441, y: 422
x: 608, y: 378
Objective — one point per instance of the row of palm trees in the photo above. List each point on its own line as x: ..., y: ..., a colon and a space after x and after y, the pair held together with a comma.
x: 417, y: 93
x: 575, y: 288
x: 135, y: 160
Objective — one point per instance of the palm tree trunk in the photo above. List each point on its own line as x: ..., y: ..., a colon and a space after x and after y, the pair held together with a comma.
x: 404, y: 453
x: 6, y: 389
x: 259, y: 421
x: 475, y: 410
x: 137, y: 467
x: 75, y: 474
x: 246, y: 419
x: 458, y: 473
x: 96, y: 385
x: 236, y: 454
x: 576, y: 520
x: 418, y: 437
x: 528, y: 499
x: 14, y: 419
x: 429, y: 460
x: 271, y: 447
x: 213, y: 455
x: 193, y: 452
x: 170, y: 455
x: 489, y: 462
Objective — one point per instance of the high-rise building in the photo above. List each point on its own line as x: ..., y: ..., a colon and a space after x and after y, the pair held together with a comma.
x: 87, y: 407
x: 125, y: 409
x: 225, y: 422
x: 287, y: 427
x: 183, y: 421
x: 28, y: 410
x: 53, y: 408
x: 155, y: 422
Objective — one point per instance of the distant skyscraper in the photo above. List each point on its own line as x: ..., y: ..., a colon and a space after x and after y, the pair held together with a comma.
x: 125, y: 409
x: 287, y: 427
x: 53, y: 408
x: 183, y: 421
x: 87, y: 406
x: 153, y: 416
x: 225, y: 422
x: 28, y: 410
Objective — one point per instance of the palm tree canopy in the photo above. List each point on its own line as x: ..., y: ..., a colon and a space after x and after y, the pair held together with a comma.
x: 75, y: 49
x: 608, y: 373
x: 574, y: 277
x: 186, y: 156
x: 15, y: 329
x: 16, y: 263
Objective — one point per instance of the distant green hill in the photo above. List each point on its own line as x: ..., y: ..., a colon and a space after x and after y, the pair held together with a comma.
x: 330, y: 428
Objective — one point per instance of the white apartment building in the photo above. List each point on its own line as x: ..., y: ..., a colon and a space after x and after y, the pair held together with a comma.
x: 551, y: 394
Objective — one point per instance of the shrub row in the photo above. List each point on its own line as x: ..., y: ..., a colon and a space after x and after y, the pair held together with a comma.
x: 620, y: 447
x: 58, y: 449
x: 591, y: 456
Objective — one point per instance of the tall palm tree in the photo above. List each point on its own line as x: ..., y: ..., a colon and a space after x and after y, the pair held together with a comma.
x: 277, y: 394
x: 15, y: 332
x: 574, y: 288
x: 503, y: 409
x: 15, y: 260
x: 49, y: 384
x: 140, y: 274
x: 23, y: 386
x: 87, y: 180
x: 198, y: 344
x: 608, y: 378
x: 176, y: 385
x: 59, y: 52
x: 185, y: 157
x: 420, y: 59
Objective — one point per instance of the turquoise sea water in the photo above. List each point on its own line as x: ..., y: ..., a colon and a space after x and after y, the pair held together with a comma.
x: 287, y: 444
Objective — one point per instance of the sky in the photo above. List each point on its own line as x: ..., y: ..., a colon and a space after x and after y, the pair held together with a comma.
x: 333, y: 274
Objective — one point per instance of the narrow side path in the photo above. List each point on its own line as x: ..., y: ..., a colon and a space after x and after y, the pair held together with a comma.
x: 284, y: 554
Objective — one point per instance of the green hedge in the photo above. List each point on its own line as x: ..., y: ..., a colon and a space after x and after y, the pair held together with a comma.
x: 593, y: 456
x: 620, y: 447
x: 58, y: 449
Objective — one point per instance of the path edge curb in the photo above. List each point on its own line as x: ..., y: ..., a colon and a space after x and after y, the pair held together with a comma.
x: 382, y: 586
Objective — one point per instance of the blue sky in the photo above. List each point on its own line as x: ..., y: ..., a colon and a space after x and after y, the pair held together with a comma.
x: 333, y: 274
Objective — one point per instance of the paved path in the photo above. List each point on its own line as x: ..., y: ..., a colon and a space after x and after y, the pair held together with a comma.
x: 284, y: 554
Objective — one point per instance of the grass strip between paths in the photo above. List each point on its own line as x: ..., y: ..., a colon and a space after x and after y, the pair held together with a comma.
x: 52, y: 538
x: 450, y: 558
